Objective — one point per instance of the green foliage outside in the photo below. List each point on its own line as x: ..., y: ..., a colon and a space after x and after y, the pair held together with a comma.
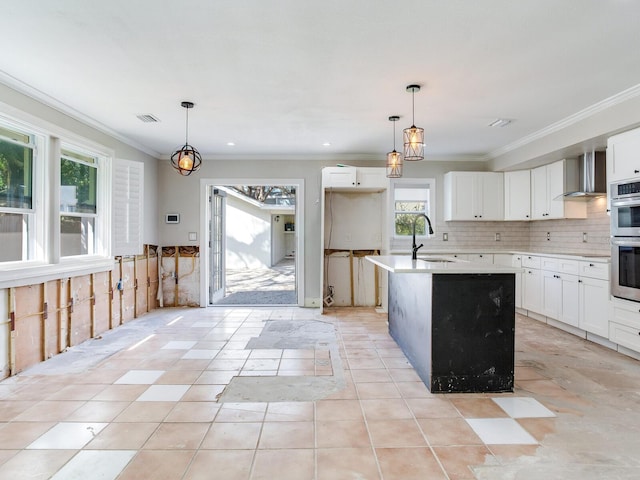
x: 404, y: 221
x: 16, y: 163
x: 84, y: 178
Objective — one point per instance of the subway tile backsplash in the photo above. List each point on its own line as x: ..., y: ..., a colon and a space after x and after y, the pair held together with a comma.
x: 565, y: 236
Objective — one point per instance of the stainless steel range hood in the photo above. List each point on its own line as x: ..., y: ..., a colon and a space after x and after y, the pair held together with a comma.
x: 592, y: 177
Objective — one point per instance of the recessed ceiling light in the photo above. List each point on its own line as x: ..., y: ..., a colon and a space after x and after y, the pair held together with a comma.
x: 326, y: 144
x: 231, y: 144
x: 500, y: 122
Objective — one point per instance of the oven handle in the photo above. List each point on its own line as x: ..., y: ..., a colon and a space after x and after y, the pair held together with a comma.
x: 625, y: 202
x: 627, y: 242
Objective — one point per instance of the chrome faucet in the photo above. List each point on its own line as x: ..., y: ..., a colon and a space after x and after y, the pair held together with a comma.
x: 414, y: 254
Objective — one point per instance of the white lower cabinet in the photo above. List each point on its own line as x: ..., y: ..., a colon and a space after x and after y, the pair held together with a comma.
x: 570, y: 313
x: 551, y: 294
x: 570, y: 291
x: 624, y: 327
x: 594, y: 306
x: 532, y: 290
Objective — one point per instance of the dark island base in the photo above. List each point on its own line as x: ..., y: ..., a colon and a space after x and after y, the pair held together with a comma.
x: 457, y: 330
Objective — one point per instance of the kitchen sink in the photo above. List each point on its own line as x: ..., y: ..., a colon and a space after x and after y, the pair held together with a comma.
x: 435, y: 260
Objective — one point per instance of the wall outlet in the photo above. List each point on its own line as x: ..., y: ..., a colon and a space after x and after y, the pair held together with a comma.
x: 497, y: 237
x: 548, y: 236
x: 584, y: 237
x: 445, y: 237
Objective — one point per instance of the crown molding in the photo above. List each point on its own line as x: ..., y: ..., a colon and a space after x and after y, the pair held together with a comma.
x: 612, y: 101
x: 51, y: 102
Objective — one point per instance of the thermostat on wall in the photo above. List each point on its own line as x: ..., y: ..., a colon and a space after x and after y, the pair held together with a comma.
x: 172, y: 218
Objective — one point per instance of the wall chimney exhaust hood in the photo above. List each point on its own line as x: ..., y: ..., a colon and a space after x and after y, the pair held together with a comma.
x: 592, y: 177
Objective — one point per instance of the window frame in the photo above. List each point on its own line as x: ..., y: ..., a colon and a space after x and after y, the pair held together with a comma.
x: 47, y: 263
x: 403, y: 242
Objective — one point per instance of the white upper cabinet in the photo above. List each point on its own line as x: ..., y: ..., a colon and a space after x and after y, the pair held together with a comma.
x: 623, y: 156
x: 548, y: 183
x: 361, y: 178
x: 473, y: 196
x: 517, y: 195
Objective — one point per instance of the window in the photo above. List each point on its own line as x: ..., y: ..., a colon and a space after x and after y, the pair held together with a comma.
x: 410, y: 198
x: 17, y: 214
x: 78, y: 203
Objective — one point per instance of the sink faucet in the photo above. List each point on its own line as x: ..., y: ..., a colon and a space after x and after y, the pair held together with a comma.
x: 414, y: 254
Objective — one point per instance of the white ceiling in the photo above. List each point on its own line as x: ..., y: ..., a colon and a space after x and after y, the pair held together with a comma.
x: 281, y: 77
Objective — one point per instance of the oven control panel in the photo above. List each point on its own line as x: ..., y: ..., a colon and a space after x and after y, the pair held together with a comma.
x: 632, y: 188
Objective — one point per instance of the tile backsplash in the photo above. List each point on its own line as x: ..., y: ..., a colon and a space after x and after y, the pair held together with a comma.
x: 565, y: 236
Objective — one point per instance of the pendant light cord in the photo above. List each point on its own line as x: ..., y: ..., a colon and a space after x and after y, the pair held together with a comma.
x: 413, y: 107
x: 186, y: 133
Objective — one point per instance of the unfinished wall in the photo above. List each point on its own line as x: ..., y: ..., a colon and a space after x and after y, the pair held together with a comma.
x: 42, y: 320
x: 180, y: 276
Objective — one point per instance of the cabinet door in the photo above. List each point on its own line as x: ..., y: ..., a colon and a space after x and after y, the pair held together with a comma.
x: 570, y: 309
x: 594, y: 306
x: 551, y: 294
x: 517, y: 195
x: 555, y: 188
x: 461, y: 197
x: 539, y: 193
x: 371, y: 178
x: 340, y: 177
x: 516, y: 261
x: 490, y: 188
x: 532, y: 290
x: 623, y: 156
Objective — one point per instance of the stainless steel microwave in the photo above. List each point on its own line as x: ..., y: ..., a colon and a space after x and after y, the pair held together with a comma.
x: 625, y: 209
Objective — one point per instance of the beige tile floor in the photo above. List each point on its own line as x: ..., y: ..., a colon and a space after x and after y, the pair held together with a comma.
x: 150, y: 409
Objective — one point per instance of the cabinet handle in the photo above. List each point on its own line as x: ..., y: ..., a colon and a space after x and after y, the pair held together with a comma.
x: 526, y: 216
x: 636, y: 171
x: 591, y: 265
x: 579, y: 281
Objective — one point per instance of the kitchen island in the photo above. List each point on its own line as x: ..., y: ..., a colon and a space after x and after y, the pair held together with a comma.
x: 454, y: 320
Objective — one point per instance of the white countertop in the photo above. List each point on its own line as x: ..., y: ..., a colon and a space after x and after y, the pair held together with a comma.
x: 404, y: 264
x: 596, y: 257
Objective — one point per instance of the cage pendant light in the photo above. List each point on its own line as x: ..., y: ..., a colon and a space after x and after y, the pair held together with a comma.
x: 394, y: 159
x: 413, y: 136
x: 186, y: 159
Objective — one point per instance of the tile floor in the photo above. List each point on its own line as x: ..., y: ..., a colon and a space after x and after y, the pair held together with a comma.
x: 151, y: 411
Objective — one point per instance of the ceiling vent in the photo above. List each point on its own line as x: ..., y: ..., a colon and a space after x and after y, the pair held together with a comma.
x: 147, y: 118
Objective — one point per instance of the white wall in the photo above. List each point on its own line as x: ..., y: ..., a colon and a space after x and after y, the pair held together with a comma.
x: 248, y: 235
x: 278, y: 240
x: 17, y: 105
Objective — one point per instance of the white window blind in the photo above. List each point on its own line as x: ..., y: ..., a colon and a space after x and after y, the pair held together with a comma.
x: 128, y: 208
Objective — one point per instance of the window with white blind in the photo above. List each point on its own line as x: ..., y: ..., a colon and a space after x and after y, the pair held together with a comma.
x: 128, y: 197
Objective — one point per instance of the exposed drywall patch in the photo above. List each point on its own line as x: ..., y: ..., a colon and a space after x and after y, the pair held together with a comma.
x: 289, y: 334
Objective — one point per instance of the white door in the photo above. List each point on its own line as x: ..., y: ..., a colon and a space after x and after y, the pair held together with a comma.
x: 216, y: 245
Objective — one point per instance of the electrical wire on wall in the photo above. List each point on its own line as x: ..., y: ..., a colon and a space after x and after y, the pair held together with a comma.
x: 328, y: 299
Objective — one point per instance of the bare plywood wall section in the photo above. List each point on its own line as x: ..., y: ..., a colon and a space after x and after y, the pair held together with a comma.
x: 47, y: 318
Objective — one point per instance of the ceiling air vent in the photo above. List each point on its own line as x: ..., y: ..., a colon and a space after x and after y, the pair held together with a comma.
x: 147, y: 118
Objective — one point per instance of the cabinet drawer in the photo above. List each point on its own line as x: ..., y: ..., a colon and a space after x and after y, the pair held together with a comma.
x: 624, y: 335
x: 625, y: 314
x: 594, y: 270
x: 569, y: 266
x: 529, y: 261
x: 481, y: 257
x: 549, y: 263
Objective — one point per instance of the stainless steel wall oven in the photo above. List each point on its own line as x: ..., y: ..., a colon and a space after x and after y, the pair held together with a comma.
x: 625, y: 241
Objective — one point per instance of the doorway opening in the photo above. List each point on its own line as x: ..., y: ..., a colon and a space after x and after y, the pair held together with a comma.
x: 253, y: 253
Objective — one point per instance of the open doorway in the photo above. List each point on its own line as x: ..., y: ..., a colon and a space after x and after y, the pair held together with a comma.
x: 253, y: 244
